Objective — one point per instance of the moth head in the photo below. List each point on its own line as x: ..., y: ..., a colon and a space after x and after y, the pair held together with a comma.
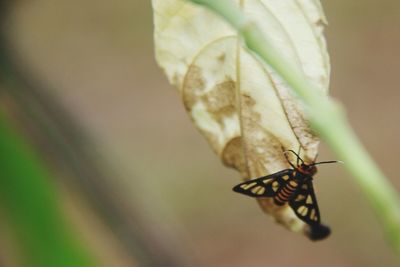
x: 311, y: 169
x: 302, y: 167
x: 307, y: 169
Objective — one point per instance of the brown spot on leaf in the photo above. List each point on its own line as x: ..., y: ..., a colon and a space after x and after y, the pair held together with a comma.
x: 248, y: 103
x: 232, y: 155
x: 193, y: 86
x: 220, y: 101
x: 222, y: 58
x: 248, y: 100
x: 216, y: 104
x: 222, y: 95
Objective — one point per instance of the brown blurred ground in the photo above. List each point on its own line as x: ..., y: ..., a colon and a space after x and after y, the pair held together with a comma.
x: 98, y: 56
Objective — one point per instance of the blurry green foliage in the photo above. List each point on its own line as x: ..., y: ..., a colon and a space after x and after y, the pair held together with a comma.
x: 29, y: 199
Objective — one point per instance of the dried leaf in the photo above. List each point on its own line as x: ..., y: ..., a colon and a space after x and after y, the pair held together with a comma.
x: 246, y: 112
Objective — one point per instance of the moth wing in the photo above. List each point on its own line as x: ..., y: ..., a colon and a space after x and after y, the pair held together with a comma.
x: 305, y: 205
x: 265, y: 186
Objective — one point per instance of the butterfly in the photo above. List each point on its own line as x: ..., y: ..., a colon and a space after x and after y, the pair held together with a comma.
x: 293, y: 187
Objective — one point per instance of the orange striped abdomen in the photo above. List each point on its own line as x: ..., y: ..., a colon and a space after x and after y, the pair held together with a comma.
x: 285, y: 193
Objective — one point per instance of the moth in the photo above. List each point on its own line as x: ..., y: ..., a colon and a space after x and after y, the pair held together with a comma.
x: 293, y: 187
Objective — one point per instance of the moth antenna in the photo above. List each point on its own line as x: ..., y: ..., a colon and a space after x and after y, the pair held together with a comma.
x: 298, y: 157
x: 327, y: 162
x: 287, y: 159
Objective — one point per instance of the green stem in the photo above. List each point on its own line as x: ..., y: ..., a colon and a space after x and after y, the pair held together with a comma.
x: 326, y: 117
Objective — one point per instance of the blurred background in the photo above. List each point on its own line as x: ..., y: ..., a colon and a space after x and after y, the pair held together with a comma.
x: 113, y: 173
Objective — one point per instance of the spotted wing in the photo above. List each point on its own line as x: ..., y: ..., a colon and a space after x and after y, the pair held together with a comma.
x: 265, y: 186
x: 304, y: 204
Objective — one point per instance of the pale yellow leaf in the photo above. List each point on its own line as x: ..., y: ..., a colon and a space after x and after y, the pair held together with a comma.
x: 246, y: 112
